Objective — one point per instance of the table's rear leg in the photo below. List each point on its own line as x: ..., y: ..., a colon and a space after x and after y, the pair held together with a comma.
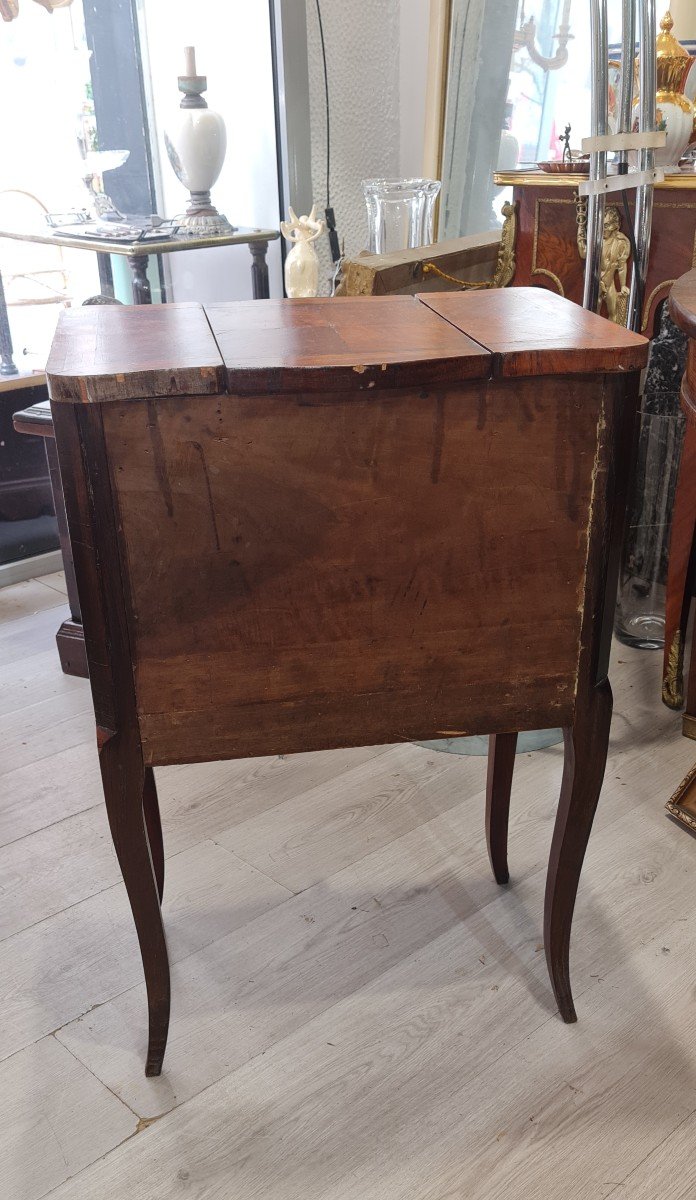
x: 501, y: 764
x: 153, y: 825
x: 125, y: 784
x: 586, y: 745
x: 259, y: 270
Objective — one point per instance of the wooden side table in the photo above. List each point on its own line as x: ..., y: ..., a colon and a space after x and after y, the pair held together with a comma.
x: 324, y: 523
x: 138, y: 255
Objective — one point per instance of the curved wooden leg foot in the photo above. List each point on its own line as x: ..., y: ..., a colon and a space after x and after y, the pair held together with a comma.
x: 586, y: 745
x: 501, y: 764
x: 124, y: 780
x: 154, y: 828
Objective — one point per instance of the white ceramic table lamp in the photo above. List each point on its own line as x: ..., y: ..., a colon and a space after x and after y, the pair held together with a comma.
x: 196, y: 144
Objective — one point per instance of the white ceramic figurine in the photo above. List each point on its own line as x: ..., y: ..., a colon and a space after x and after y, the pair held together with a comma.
x: 302, y: 264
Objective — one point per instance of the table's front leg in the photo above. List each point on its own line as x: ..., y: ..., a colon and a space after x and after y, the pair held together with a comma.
x: 7, y: 363
x: 140, y: 282
x: 259, y: 270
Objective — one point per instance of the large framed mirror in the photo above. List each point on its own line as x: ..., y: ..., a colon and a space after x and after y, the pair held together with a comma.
x: 516, y: 73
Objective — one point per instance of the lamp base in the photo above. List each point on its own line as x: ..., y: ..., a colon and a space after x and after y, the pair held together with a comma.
x: 202, y: 219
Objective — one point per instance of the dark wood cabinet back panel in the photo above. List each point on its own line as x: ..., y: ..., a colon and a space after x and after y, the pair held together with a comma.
x: 305, y: 571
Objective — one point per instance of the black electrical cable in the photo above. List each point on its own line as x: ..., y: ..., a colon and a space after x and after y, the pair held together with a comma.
x: 623, y: 170
x: 329, y: 212
x: 636, y: 267
x: 328, y: 109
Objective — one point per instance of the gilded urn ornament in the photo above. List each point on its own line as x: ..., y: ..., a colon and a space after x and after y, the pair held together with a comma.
x: 675, y: 111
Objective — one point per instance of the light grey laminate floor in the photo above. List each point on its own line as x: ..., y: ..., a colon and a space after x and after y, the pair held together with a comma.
x: 359, y: 1012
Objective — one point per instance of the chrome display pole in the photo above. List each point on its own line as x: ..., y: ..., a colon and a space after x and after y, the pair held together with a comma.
x: 647, y: 119
x: 643, y: 141
x: 628, y: 50
x: 598, y: 157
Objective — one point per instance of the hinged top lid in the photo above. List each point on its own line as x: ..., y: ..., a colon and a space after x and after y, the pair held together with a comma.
x: 119, y: 352
x: 530, y: 331
x: 682, y: 303
x: 343, y: 344
x: 103, y: 353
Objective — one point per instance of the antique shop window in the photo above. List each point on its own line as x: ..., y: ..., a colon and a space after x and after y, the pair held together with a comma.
x: 45, y: 83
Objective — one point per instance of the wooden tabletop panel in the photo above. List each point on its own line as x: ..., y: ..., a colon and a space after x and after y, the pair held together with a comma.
x: 105, y: 353
x: 351, y: 343
x: 530, y: 331
x: 682, y: 303
x: 118, y: 352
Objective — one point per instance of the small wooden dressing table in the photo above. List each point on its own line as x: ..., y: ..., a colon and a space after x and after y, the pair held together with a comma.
x: 311, y: 524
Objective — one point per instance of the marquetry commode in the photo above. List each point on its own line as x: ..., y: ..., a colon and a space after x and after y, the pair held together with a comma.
x: 307, y: 524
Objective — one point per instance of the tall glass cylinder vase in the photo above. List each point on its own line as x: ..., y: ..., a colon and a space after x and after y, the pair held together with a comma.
x: 399, y: 213
x: 640, y: 614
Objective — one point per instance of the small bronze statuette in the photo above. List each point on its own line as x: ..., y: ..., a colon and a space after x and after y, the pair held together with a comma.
x: 565, y: 142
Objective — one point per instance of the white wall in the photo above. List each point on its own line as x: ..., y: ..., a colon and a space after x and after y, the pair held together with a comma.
x: 377, y: 56
x: 233, y: 48
x: 684, y: 13
x: 414, y: 28
x: 377, y: 59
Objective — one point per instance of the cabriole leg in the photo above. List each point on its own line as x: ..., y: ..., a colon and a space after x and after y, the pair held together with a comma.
x: 586, y: 745
x: 125, y: 782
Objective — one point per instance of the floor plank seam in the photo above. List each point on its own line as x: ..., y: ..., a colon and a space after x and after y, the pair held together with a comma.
x: 80, y: 812
x: 238, y: 858
x: 51, y: 586
x: 649, y: 1155
x: 7, y: 622
x: 50, y: 753
x: 118, y: 883
x: 380, y: 752
x: 99, y: 1081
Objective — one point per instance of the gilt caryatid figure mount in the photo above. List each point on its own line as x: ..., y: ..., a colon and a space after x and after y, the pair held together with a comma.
x: 616, y: 252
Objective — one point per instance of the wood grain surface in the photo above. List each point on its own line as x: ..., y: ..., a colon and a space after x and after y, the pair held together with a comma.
x: 303, y: 575
x: 113, y: 352
x: 529, y: 331
x: 682, y: 303
x: 353, y: 344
